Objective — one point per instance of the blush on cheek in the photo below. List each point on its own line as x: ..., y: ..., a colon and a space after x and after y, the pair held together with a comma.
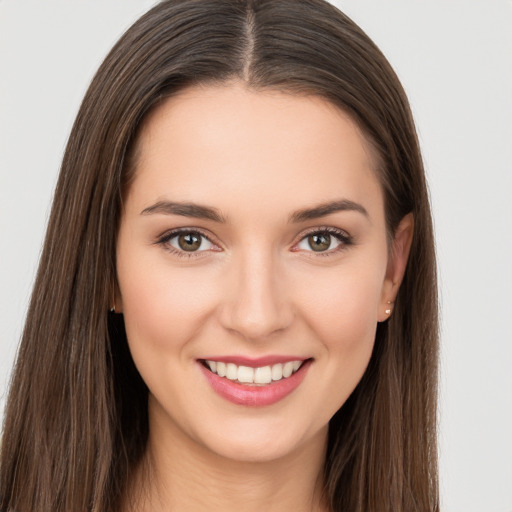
x: 164, y: 311
x: 344, y: 319
x: 349, y: 303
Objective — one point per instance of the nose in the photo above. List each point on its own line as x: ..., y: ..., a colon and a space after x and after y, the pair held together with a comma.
x: 256, y: 303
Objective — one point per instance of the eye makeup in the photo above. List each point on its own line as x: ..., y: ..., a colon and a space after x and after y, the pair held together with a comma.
x: 188, y: 238
x: 193, y: 242
x: 319, y: 237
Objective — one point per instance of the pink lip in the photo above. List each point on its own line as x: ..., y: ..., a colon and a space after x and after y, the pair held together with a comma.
x: 242, y: 394
x: 255, y: 362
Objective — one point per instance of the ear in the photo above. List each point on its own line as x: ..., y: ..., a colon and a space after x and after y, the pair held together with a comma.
x: 397, y: 263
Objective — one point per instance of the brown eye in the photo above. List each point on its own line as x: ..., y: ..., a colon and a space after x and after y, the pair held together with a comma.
x: 328, y: 240
x: 319, y: 242
x: 189, y: 241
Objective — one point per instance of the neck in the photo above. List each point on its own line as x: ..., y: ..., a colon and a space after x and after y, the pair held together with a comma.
x: 180, y: 475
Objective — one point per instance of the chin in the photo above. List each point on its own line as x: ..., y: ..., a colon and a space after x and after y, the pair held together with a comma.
x: 257, y: 442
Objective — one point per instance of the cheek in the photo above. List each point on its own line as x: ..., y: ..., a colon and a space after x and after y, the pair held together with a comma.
x: 345, y: 324
x: 347, y: 330
x: 341, y: 311
x: 344, y: 301
x: 162, y: 307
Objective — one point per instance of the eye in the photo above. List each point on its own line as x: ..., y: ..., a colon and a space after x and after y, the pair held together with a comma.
x: 324, y: 241
x: 189, y: 241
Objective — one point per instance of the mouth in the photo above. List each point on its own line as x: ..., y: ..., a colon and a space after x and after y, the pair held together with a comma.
x: 254, y: 383
x: 255, y: 376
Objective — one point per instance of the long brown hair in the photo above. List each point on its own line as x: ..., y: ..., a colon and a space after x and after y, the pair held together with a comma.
x: 76, y: 417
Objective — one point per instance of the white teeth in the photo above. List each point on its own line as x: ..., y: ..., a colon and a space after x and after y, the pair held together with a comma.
x: 221, y: 369
x: 231, y: 371
x: 287, y: 369
x: 277, y: 371
x: 245, y: 374
x: 262, y: 375
x: 248, y: 375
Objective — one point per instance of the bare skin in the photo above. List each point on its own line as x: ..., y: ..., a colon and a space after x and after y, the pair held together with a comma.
x: 284, y: 252
x: 195, y: 480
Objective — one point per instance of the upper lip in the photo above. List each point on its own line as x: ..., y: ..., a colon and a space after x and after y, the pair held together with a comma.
x: 255, y: 362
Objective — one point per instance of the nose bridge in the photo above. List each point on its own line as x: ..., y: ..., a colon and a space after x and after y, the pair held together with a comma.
x: 257, y: 305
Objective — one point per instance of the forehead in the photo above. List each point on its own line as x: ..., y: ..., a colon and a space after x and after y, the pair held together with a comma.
x: 219, y: 144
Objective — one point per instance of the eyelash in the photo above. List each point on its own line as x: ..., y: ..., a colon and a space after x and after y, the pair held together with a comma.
x: 343, y: 237
x: 167, y: 237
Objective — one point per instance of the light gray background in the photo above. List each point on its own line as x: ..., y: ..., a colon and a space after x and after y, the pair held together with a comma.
x: 454, y: 58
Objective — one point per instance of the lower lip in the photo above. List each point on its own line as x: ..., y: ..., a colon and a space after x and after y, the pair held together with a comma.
x: 255, y: 396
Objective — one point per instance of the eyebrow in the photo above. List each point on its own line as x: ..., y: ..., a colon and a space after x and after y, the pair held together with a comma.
x: 194, y: 210
x: 198, y: 211
x: 321, y: 210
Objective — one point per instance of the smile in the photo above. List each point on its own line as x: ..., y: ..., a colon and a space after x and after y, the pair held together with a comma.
x: 259, y: 375
x: 264, y: 382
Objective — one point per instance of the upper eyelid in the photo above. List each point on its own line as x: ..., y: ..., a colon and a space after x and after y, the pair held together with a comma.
x: 316, y: 229
x: 175, y: 232
x: 168, y: 235
x: 323, y: 229
x: 165, y: 238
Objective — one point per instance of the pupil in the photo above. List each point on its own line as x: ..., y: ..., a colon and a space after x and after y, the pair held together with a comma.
x: 319, y: 242
x: 189, y: 242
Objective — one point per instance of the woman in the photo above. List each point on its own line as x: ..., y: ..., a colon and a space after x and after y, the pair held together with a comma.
x: 236, y: 302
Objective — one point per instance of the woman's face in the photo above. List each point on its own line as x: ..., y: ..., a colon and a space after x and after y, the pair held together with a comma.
x: 253, y: 241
